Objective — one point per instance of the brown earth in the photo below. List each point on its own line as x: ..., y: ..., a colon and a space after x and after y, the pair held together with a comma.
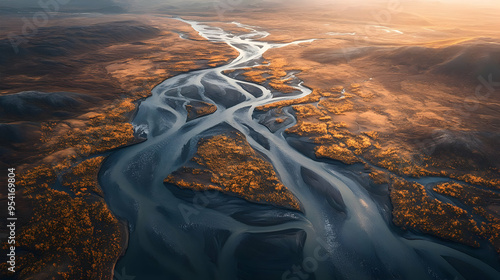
x: 408, y: 92
x: 410, y: 108
x: 84, y: 76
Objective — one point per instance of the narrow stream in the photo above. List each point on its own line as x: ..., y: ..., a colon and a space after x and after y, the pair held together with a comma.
x: 343, y: 233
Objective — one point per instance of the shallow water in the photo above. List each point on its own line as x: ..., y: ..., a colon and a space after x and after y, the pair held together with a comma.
x: 344, y: 233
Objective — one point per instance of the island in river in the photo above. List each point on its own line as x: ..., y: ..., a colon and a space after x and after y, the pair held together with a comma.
x: 395, y: 104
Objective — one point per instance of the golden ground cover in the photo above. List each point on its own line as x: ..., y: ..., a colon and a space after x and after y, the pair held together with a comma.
x: 197, y: 109
x: 376, y: 119
x: 413, y: 207
x: 369, y: 125
x: 484, y: 204
x: 272, y: 73
x: 69, y: 232
x: 228, y: 164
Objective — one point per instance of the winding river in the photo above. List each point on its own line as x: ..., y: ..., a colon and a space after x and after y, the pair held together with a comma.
x: 343, y: 232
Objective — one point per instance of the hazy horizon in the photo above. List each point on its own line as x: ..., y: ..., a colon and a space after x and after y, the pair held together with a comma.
x: 136, y: 4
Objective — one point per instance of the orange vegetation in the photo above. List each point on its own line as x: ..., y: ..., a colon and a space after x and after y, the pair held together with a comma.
x: 82, y: 179
x: 379, y: 177
x: 414, y: 208
x: 67, y: 237
x: 197, y: 109
x: 308, y: 129
x: 313, y: 97
x: 228, y: 164
x: 336, y: 152
x: 480, y: 201
x: 274, y: 73
x: 72, y: 234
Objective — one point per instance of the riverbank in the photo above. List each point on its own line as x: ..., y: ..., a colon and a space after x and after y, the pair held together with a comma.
x: 62, y: 206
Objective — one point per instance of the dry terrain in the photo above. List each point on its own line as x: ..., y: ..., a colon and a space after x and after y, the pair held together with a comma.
x: 405, y: 93
x: 408, y: 92
x: 66, y: 100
